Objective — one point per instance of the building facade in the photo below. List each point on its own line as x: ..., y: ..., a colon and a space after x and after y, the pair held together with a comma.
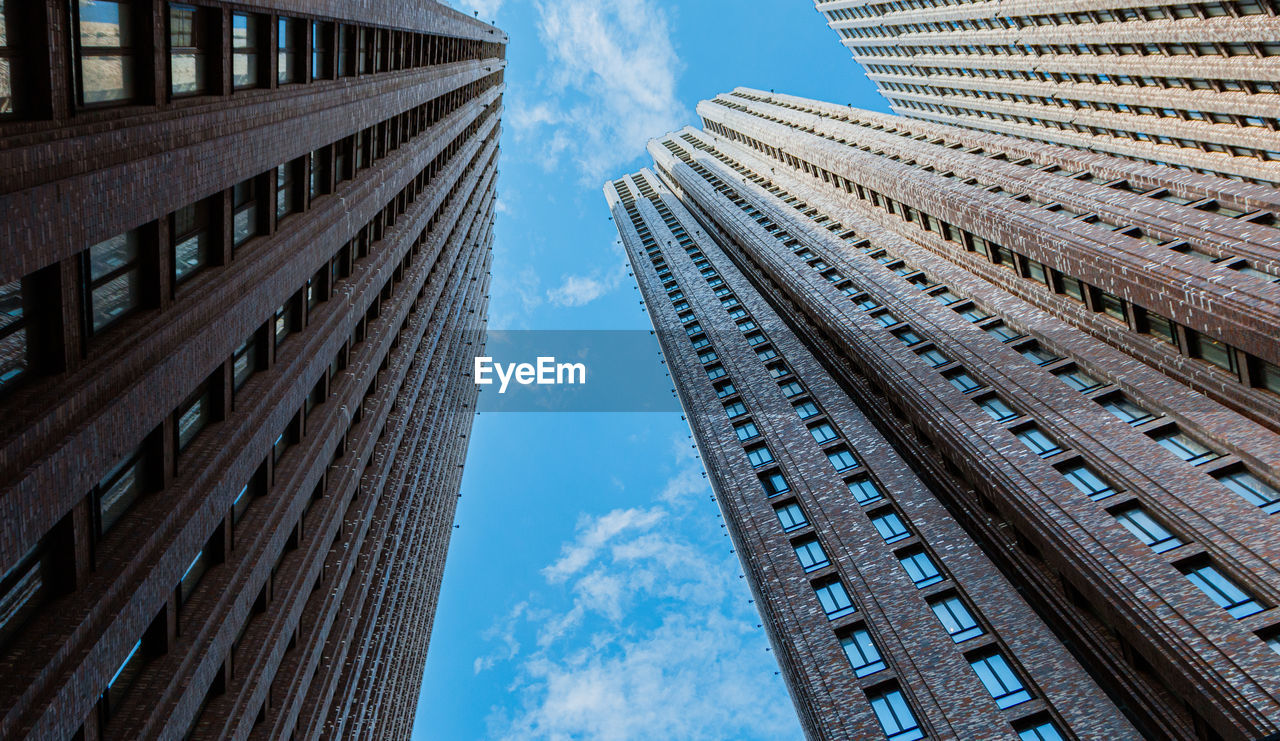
x: 1193, y: 85
x: 993, y: 422
x: 245, y: 254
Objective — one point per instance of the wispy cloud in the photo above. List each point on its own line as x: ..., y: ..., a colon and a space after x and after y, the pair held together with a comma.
x: 612, y: 89
x: 655, y: 641
x: 580, y: 290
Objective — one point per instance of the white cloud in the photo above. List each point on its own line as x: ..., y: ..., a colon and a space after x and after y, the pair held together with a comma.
x: 613, y: 87
x: 487, y: 9
x: 593, y: 535
x: 579, y: 290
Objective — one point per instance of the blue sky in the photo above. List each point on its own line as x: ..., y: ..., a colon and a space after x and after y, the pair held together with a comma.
x: 590, y: 592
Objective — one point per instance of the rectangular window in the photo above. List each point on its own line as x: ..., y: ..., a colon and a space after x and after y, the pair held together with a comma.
x: 891, y: 527
x: 715, y: 371
x: 920, y: 568
x: 188, y: 50
x: 246, y: 43
x: 1003, y: 332
x: 191, y: 577
x: 1037, y: 354
x: 933, y: 356
x: 1040, y: 443
x: 244, y: 208
x: 1159, y: 327
x: 291, y: 41
x: 842, y: 459
x: 191, y: 237
x: 285, y: 321
x: 114, y: 280
x: 759, y: 456
x: 1126, y: 410
x: 998, y: 677
x: 823, y: 433
x: 956, y: 618
x: 963, y: 381
x: 791, y: 388
x: 806, y: 409
x: 864, y: 491
x: 725, y: 389
x: 244, y: 362
x: 10, y: 74
x: 908, y: 336
x: 286, y: 189
x: 735, y: 409
x: 1040, y: 731
x: 746, y: 430
x: 791, y: 516
x: 861, y: 652
x: 193, y: 416
x: 1087, y: 482
x: 1078, y: 380
x: 319, y: 180
x: 1254, y: 490
x: 105, y: 36
x: 13, y: 333
x: 120, y: 488
x: 835, y: 600
x: 997, y: 408
x: 22, y: 590
x: 774, y: 484
x: 895, y: 716
x: 1113, y: 306
x: 766, y: 354
x: 1222, y: 590
x: 321, y: 51
x: 1145, y: 528
x: 1073, y: 288
x: 1217, y: 353
x: 811, y: 555
x: 1184, y: 447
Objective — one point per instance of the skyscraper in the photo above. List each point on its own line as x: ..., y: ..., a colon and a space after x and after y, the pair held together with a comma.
x: 992, y: 422
x: 1192, y: 85
x: 244, y: 251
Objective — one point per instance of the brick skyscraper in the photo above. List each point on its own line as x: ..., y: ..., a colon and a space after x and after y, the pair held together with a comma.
x: 244, y: 250
x: 1193, y: 85
x: 993, y: 422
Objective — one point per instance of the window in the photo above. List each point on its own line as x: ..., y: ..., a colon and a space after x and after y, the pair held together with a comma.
x: 842, y: 459
x: 806, y: 409
x: 1037, y: 354
x: 1003, y: 332
x: 1222, y: 590
x: 188, y: 50
x: 1034, y: 438
x: 13, y: 333
x: 861, y: 652
x: 10, y: 74
x: 707, y: 356
x: 774, y: 483
x: 105, y: 32
x: 791, y: 388
x: 933, y: 356
x: 287, y: 200
x: 1136, y: 520
x: 246, y: 36
x: 244, y: 208
x: 920, y: 568
x: 823, y: 433
x: 1042, y: 730
x: 956, y: 618
x: 746, y: 430
x: 1111, y: 305
x: 735, y: 409
x: 835, y: 600
x: 998, y: 677
x: 120, y: 488
x: 1158, y: 327
x: 908, y: 336
x: 114, y: 276
x: 319, y: 172
x: 1077, y: 379
x: 791, y: 516
x: 285, y: 321
x: 759, y: 455
x: 997, y: 409
x: 1189, y: 450
x: 725, y: 389
x: 244, y: 362
x: 778, y: 370
x: 811, y: 555
x: 321, y: 51
x: 1213, y: 351
x: 895, y: 716
x: 1088, y: 482
x: 1253, y: 489
x: 291, y: 67
x: 891, y: 527
x: 864, y: 491
x: 767, y: 353
x: 193, y: 416
x: 1126, y: 410
x: 963, y: 381
x: 191, y: 235
x: 715, y: 371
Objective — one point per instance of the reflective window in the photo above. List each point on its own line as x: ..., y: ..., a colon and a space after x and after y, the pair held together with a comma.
x: 1078, y: 380
x: 956, y: 618
x: 1222, y: 590
x: 1088, y: 482
x: 842, y: 459
x: 188, y: 50
x: 997, y: 408
x: 191, y: 234
x: 806, y: 409
x: 963, y: 381
x: 835, y: 600
x: 895, y: 716
x: 13, y: 333
x: 774, y: 484
x: 823, y: 432
x: 1126, y: 410
x: 864, y: 491
x: 811, y: 555
x: 246, y: 35
x: 1184, y: 447
x: 1034, y: 438
x: 291, y: 66
x: 735, y: 409
x: 1136, y: 520
x: 746, y: 430
x: 921, y: 569
x: 1040, y: 731
x: 120, y: 488
x: 1253, y: 489
x: 891, y: 527
x: 791, y: 516
x: 115, y: 285
x: 862, y: 653
x: 999, y: 679
x: 759, y: 456
x: 105, y: 32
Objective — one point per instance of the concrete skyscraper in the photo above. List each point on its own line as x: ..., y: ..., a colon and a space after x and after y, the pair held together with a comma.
x: 244, y: 249
x: 993, y: 422
x: 1193, y: 85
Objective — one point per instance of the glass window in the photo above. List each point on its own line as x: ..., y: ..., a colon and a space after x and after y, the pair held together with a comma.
x: 246, y: 34
x: 864, y: 491
x: 774, y: 483
x: 998, y: 677
x: 13, y: 333
x: 1218, y: 353
x: 321, y: 51
x: 1038, y: 355
x: 244, y: 207
x: 921, y: 569
x: 791, y: 388
x: 891, y: 527
x: 290, y: 67
x: 188, y: 50
x: 1253, y: 489
x: 973, y: 313
x: 123, y: 679
x: 725, y: 389
x: 933, y: 356
x: 767, y: 353
x: 193, y: 417
x: 895, y: 716
x: 1184, y: 447
x: 1040, y: 731
x: 823, y: 432
x: 1088, y: 482
x: 286, y: 189
x: 1112, y: 306
x: 115, y: 285
x: 1073, y: 288
x: 1078, y: 380
x: 811, y: 555
x: 1159, y: 327
x: 715, y: 371
x: 956, y: 618
x: 191, y: 234
x: 1136, y: 520
x: 735, y: 409
x: 963, y: 381
x: 759, y: 455
x: 997, y: 408
x: 1003, y: 332
x: 861, y: 652
x: 8, y: 61
x: 285, y: 322
x: 22, y: 590
x: 746, y: 430
x: 835, y: 600
x: 806, y: 409
x: 319, y: 181
x: 1126, y: 410
x: 244, y: 362
x: 105, y: 31
x: 908, y: 336
x: 791, y: 516
x: 1034, y: 438
x: 120, y: 488
x: 1222, y: 590
x: 842, y: 459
